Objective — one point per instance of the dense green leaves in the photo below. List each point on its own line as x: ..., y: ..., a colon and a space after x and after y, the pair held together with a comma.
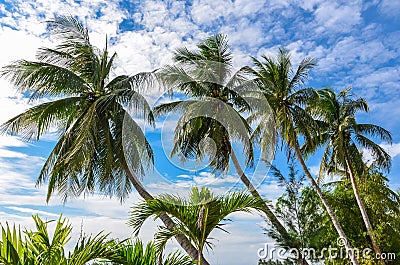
x: 284, y: 89
x: 98, y: 139
x: 215, y: 94
x: 38, y: 247
x: 340, y: 133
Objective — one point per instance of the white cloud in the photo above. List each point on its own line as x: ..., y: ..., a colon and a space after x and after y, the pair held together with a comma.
x: 393, y: 150
x: 333, y: 17
x: 379, y: 82
x: 30, y: 211
x: 245, y: 7
x: 11, y: 141
x: 206, y: 12
x: 207, y: 178
x: 389, y: 8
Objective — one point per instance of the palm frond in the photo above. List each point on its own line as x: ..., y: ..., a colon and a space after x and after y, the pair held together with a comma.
x: 43, y: 79
x: 374, y: 131
x: 36, y: 121
x: 68, y: 28
x: 381, y: 158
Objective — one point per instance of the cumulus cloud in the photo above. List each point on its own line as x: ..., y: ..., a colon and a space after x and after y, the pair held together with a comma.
x: 393, y: 150
x: 389, y: 8
x: 333, y: 17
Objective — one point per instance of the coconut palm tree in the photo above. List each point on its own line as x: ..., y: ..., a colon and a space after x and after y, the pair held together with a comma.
x: 345, y: 140
x: 195, y: 217
x: 210, y: 119
x: 100, y: 146
x: 38, y: 247
x: 283, y: 88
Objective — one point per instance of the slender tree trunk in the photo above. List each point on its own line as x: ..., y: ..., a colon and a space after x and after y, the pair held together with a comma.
x: 200, y: 257
x: 362, y: 209
x: 268, y: 212
x: 328, y: 208
x: 168, y: 222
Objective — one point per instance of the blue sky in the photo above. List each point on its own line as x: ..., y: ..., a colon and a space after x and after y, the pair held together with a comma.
x: 356, y: 44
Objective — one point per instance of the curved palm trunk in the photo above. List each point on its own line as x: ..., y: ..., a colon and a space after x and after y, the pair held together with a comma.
x: 268, y: 212
x: 328, y: 208
x: 362, y: 209
x: 182, y: 240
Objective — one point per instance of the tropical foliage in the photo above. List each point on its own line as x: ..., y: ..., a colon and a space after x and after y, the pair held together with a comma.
x: 131, y: 252
x: 212, y: 115
x: 86, y: 111
x: 345, y: 140
x: 38, y: 247
x: 317, y: 232
x: 284, y: 89
x: 100, y: 146
x: 195, y: 217
x: 299, y: 210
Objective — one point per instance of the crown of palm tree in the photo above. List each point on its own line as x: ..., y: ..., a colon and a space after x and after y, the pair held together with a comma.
x: 215, y: 96
x: 341, y: 133
x: 195, y: 217
x: 98, y: 139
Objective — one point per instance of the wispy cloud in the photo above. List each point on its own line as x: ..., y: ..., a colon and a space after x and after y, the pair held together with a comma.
x: 31, y: 211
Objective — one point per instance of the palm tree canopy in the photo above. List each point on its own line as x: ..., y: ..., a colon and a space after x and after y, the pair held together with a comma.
x: 283, y: 87
x: 195, y: 217
x: 88, y: 108
x: 215, y: 94
x: 341, y: 133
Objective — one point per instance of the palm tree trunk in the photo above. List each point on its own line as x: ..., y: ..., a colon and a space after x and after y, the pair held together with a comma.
x: 168, y: 222
x: 268, y: 212
x: 362, y: 209
x: 328, y: 208
x: 200, y: 257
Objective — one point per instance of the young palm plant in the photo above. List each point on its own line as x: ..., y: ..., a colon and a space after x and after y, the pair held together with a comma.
x: 100, y: 146
x: 13, y: 249
x: 131, y: 252
x: 283, y: 88
x: 212, y: 111
x: 38, y: 247
x: 195, y: 217
x: 344, y: 140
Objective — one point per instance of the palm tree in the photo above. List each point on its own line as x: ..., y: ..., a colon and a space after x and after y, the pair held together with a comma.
x: 195, y: 217
x: 131, y: 252
x: 283, y: 88
x: 345, y: 140
x: 100, y: 146
x: 216, y: 94
x: 38, y: 247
